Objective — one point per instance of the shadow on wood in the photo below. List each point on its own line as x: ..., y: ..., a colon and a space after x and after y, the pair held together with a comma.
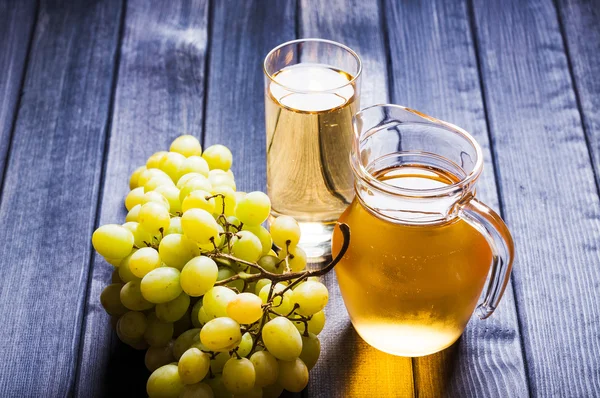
x: 433, y: 373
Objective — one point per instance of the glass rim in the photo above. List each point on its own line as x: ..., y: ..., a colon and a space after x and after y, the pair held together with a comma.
x: 314, y: 40
x: 361, y: 172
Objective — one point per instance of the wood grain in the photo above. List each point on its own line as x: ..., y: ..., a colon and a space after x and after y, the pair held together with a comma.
x: 435, y: 71
x: 50, y: 194
x: 16, y: 22
x: 349, y: 367
x: 549, y: 196
x: 159, y: 95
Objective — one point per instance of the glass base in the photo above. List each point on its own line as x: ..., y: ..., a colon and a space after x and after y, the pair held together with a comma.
x: 316, y: 240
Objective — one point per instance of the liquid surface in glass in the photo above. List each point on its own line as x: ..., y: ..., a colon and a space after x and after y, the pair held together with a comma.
x: 410, y: 289
x: 309, y: 137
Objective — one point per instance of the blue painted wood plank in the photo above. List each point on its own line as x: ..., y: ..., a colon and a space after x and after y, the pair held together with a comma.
x: 50, y: 194
x: 159, y: 95
x: 548, y: 192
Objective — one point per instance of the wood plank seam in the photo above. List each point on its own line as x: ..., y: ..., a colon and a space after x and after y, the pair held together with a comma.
x: 496, y: 171
x: 207, y: 57
x: 107, y: 134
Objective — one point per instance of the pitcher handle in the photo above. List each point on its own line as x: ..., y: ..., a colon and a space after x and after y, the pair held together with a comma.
x: 498, y: 236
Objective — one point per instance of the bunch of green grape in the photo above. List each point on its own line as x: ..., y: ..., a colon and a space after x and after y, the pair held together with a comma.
x: 198, y: 284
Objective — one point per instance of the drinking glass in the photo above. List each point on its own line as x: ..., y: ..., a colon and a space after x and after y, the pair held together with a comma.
x: 311, y: 95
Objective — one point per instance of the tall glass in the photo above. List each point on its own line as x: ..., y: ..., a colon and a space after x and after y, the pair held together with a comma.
x: 311, y: 94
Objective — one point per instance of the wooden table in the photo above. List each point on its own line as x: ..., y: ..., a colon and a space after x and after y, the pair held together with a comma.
x: 89, y: 89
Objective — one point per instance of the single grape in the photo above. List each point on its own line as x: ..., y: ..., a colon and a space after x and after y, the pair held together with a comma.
x: 219, y: 178
x: 154, y: 160
x: 156, y: 182
x: 115, y: 262
x: 281, y: 305
x: 194, y: 164
x: 229, y: 195
x: 186, y: 145
x: 141, y: 237
x: 132, y: 298
x: 221, y: 334
x: 125, y: 271
x: 245, y: 345
x: 272, y: 264
x: 136, y: 344
x: 260, y: 284
x: 245, y: 308
x: 194, y: 313
x: 246, y: 246
x: 198, y: 390
x: 296, y: 259
x: 272, y: 391
x: 315, y: 324
x: 174, y: 227
x: 285, y: 229
x: 266, y: 367
x: 219, y: 390
x: 311, y: 349
x: 165, y: 382
x: 216, y: 300
x: 293, y: 375
x: 133, y: 214
x: 158, y: 356
x: 197, y: 200
x: 199, y: 276
x: 173, y: 310
x: 184, y: 341
x: 225, y: 273
x: 133, y: 325
x: 143, y: 261
x: 133, y: 180
x: 282, y: 339
x: 158, y: 333
x: 197, y: 183
x: 200, y: 226
x: 161, y: 285
x: 217, y: 363
x: 254, y: 208
x: 218, y: 157
x: 239, y: 375
x: 171, y: 163
x: 171, y: 193
x: 263, y: 235
x: 134, y: 197
x: 193, y: 366
x: 176, y: 250
x: 154, y: 217
x: 110, y: 298
x: 156, y: 197
x: 311, y: 297
x: 186, y: 177
x: 112, y: 241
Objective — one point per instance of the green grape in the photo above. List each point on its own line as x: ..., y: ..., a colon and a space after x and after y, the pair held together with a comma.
x: 158, y: 333
x: 171, y: 193
x: 194, y: 164
x: 158, y: 356
x: 219, y: 178
x: 226, y: 272
x: 235, y: 223
x: 143, y: 261
x: 132, y: 298
x: 156, y: 197
x: 133, y: 214
x: 112, y: 241
x: 165, y: 382
x: 216, y: 300
x: 194, y: 313
x: 285, y: 229
x: 245, y: 345
x: 238, y: 375
x: 262, y: 234
x: 272, y: 264
x: 134, y: 197
x: 115, y: 278
x: 200, y: 226
x: 315, y: 324
x: 311, y: 297
x: 293, y: 375
x: 171, y: 163
x: 133, y: 325
x: 176, y: 250
x: 193, y: 366
x: 161, y: 285
x: 239, y: 195
x: 110, y: 298
x: 197, y: 183
x: 174, y: 227
x: 198, y: 390
x: 133, y: 180
x: 141, y: 237
x: 218, y: 157
x: 150, y: 174
x: 282, y: 339
x: 254, y: 208
x: 115, y: 262
x: 272, y: 391
x: 311, y: 349
x: 246, y: 246
x: 216, y: 385
x: 266, y: 367
x: 136, y: 344
x: 182, y: 324
x: 183, y: 342
x: 156, y: 182
x: 217, y: 363
x: 154, y: 160
x: 282, y: 305
x: 245, y: 308
x: 230, y: 203
x: 203, y: 317
x: 125, y: 271
x: 197, y: 200
x: 198, y: 276
x: 173, y: 310
x: 154, y: 217
x: 186, y: 177
x: 186, y: 145
x: 221, y: 334
x: 260, y: 284
x: 296, y: 260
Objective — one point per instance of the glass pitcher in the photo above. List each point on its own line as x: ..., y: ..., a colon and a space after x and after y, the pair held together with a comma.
x: 422, y: 245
